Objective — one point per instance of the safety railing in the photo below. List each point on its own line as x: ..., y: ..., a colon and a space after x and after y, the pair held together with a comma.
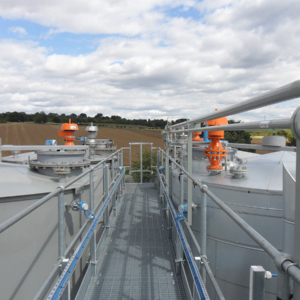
x: 285, y: 264
x: 110, y: 194
x: 140, y: 170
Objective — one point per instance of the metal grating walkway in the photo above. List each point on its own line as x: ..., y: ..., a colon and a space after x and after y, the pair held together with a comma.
x: 137, y: 260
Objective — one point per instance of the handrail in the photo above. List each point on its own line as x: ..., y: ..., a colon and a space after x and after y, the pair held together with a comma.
x: 189, y: 255
x: 16, y: 218
x: 70, y: 267
x: 265, y: 124
x: 282, y: 260
x: 205, y: 263
x: 284, y: 93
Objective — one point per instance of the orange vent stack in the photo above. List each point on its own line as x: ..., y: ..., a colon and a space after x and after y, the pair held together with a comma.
x: 196, y: 138
x: 215, y: 151
x: 67, y: 132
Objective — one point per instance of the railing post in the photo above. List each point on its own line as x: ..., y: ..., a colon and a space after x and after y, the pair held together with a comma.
x: 141, y: 163
x: 112, y: 168
x: 129, y: 158
x: 61, y: 238
x: 179, y: 250
x: 167, y: 165
x: 151, y: 158
x: 93, y: 238
x: 283, y: 286
x: 61, y: 225
x: 190, y: 170
x: 203, y: 231
x: 106, y: 188
x: 122, y: 165
x: 296, y: 291
x: 112, y: 180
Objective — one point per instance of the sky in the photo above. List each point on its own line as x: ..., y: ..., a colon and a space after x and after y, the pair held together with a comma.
x: 157, y: 59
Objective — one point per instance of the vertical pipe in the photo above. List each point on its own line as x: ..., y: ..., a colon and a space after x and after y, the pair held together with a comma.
x: 174, y: 154
x: 297, y: 219
x: 93, y: 238
x: 205, y: 135
x: 203, y: 231
x: 106, y: 187
x: 141, y: 163
x: 181, y: 188
x: 112, y: 179
x: 61, y: 226
x: 190, y: 183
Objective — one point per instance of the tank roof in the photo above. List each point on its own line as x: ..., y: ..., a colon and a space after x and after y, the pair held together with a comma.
x: 20, y: 180
x: 264, y: 173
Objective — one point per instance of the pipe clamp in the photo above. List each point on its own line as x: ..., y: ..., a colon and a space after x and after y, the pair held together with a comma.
x: 290, y: 265
x: 280, y: 259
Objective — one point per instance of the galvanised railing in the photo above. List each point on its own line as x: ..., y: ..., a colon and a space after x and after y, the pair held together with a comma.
x: 283, y: 261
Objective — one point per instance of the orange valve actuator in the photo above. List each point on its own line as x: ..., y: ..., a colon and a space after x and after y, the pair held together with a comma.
x: 215, y: 151
x: 67, y: 132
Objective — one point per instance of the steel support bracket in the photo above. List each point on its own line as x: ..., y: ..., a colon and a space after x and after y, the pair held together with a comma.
x: 201, y: 257
x: 204, y: 188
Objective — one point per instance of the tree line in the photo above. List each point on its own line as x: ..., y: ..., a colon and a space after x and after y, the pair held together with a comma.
x: 42, y: 118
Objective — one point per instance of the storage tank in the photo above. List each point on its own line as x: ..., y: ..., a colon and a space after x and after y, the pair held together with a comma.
x: 31, y: 245
x: 253, y: 187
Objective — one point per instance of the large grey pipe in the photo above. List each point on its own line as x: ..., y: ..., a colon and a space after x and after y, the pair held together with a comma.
x: 266, y: 124
x: 284, y: 93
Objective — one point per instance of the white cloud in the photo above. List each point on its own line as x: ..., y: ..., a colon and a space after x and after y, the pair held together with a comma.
x: 18, y: 30
x: 238, y: 50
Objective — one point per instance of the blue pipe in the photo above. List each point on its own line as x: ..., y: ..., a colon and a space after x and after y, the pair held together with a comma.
x: 76, y: 256
x: 205, y: 135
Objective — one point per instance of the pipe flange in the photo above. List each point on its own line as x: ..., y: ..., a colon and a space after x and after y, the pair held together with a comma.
x: 280, y: 259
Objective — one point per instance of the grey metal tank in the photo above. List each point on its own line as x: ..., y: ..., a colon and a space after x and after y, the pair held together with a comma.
x: 261, y: 197
x: 31, y: 245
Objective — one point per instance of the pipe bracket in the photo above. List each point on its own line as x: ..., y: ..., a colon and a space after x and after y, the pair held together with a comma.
x: 280, y: 259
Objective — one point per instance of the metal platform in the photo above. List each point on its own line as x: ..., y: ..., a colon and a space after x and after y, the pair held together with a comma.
x: 136, y: 259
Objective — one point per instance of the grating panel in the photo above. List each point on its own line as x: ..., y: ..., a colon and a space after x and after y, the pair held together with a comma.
x: 136, y: 260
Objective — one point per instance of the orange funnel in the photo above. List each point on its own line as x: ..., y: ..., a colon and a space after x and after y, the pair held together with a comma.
x: 67, y: 132
x: 196, y: 137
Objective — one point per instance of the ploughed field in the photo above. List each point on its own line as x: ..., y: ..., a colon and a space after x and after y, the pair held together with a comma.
x: 37, y: 134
